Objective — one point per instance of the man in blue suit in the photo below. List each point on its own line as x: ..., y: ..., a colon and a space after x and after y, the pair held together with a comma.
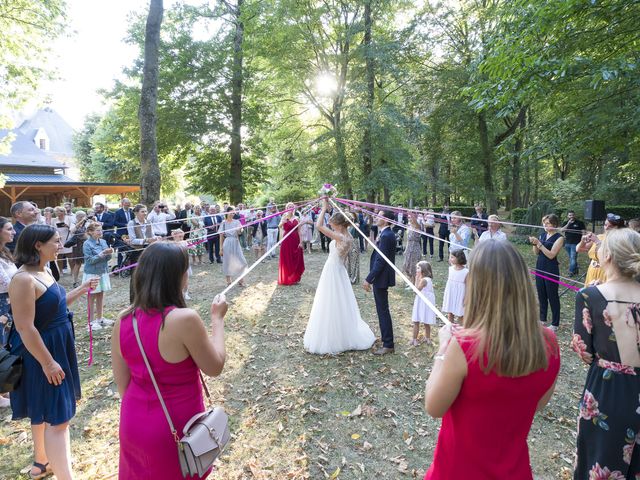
x: 106, y: 218
x: 381, y: 277
x: 123, y: 216
x: 212, y: 223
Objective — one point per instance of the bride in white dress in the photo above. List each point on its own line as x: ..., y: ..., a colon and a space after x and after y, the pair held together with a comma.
x: 335, y: 324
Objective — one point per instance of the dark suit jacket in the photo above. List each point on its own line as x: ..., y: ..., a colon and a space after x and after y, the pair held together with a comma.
x: 208, y: 223
x: 108, y: 220
x: 183, y: 215
x: 381, y: 274
x: 121, y: 221
x: 18, y: 227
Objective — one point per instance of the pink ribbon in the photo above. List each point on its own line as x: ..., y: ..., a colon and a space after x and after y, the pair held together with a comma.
x: 393, y: 222
x: 89, y: 325
x: 571, y: 287
x: 191, y: 244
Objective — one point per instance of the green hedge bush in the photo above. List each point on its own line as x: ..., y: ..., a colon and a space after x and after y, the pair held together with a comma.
x: 625, y: 211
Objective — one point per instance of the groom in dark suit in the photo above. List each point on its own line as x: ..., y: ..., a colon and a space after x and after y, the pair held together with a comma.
x: 381, y: 277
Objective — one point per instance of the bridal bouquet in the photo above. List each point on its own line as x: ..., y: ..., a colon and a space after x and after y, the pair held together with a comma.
x: 327, y: 190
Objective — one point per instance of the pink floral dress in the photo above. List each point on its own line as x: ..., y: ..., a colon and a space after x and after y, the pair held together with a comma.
x: 609, y: 415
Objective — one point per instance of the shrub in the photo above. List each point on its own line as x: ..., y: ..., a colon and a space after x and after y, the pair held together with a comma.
x: 625, y: 211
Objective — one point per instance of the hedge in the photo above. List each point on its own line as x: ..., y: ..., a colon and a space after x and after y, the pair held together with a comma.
x: 625, y: 211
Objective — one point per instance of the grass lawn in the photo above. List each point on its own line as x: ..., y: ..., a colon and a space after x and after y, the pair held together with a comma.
x: 296, y: 415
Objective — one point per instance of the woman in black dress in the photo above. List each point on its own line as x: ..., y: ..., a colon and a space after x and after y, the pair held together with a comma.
x: 547, y: 247
x: 607, y: 337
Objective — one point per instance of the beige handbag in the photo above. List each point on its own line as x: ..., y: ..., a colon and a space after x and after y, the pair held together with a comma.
x: 204, y: 435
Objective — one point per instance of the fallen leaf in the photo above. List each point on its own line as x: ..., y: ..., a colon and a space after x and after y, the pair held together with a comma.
x: 357, y: 412
x: 355, y: 436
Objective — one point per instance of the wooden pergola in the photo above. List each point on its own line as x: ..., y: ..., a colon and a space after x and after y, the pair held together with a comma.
x: 53, y: 193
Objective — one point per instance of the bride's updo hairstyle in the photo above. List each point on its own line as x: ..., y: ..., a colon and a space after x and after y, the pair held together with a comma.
x: 621, y: 247
x: 339, y: 219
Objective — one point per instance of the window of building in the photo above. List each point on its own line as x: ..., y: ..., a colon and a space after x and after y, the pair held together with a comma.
x: 43, y: 144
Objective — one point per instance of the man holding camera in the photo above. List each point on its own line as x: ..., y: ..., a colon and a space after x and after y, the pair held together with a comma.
x: 158, y: 217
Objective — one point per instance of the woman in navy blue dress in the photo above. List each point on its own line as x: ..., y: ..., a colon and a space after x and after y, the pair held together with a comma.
x: 43, y: 337
x: 547, y: 247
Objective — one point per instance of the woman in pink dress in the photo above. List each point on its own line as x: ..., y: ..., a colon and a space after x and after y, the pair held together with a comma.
x: 178, y: 347
x: 491, y: 377
x: 291, y: 266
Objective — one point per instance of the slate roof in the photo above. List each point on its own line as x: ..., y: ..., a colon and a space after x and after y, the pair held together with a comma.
x: 24, y: 152
x: 58, y: 130
x: 34, y: 178
x: 24, y: 178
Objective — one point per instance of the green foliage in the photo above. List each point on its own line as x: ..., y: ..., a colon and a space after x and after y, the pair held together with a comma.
x: 534, y: 217
x: 27, y: 29
x: 518, y: 214
x: 625, y: 211
x: 554, y: 85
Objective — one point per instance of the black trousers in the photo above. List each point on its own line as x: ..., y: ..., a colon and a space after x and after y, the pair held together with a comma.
x: 548, y: 295
x: 443, y: 235
x: 381, y: 296
x: 428, y: 240
x: 213, y: 247
x: 362, y: 240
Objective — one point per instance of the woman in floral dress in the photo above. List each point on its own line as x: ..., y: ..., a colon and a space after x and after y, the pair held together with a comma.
x: 607, y: 337
x: 197, y: 236
x: 413, y: 252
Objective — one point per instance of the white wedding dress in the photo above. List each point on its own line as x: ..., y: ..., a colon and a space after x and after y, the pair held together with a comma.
x: 335, y: 324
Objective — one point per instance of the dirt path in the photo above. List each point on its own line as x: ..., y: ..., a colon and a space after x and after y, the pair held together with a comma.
x: 296, y: 415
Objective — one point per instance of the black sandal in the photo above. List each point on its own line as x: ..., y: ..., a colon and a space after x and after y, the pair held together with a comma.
x: 44, y: 471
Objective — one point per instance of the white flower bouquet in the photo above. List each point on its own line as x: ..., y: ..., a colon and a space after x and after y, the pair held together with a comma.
x: 327, y: 190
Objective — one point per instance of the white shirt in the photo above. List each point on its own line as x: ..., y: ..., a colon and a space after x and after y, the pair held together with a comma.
x: 138, y: 232
x: 465, y: 233
x: 499, y: 235
x: 158, y: 221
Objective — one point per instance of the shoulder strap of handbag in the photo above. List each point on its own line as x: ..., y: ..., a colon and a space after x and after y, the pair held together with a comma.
x: 155, y: 384
x: 153, y: 380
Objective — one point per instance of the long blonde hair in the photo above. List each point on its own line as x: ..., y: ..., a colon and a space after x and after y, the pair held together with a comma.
x: 501, y: 312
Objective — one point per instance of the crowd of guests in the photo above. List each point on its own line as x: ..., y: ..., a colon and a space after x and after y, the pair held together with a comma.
x: 493, y: 369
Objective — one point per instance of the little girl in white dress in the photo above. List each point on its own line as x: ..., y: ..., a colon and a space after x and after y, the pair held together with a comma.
x: 422, y: 314
x: 453, y: 301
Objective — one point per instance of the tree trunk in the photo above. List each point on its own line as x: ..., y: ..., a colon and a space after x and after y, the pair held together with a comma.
x: 447, y: 188
x: 236, y: 186
x: 370, y: 74
x: 516, y: 166
x: 345, y: 181
x: 150, y: 181
x: 487, y: 163
x: 387, y: 195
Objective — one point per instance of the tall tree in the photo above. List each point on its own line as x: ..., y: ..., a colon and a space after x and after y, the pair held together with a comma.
x: 236, y: 187
x: 367, y: 166
x: 150, y: 181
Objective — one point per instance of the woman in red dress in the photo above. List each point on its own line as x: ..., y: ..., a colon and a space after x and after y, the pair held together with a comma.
x: 291, y: 265
x: 491, y: 377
